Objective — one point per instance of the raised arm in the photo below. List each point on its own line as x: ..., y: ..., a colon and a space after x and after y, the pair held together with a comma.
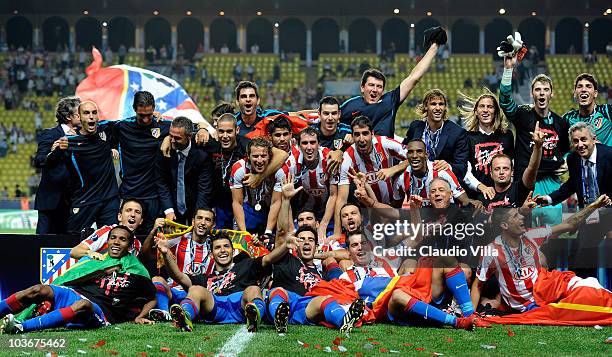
x: 438, y: 36
x: 531, y: 172
x: 173, y: 270
x: 577, y: 219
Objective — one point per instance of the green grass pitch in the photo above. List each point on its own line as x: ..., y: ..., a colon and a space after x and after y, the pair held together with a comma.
x: 374, y: 340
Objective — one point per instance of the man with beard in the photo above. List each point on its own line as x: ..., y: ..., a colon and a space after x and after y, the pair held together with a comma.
x: 509, y: 192
x: 186, y: 176
x: 118, y: 289
x: 52, y: 196
x: 230, y: 294
x: 294, y: 276
x: 138, y: 139
x: 373, y: 155
x: 252, y: 206
x: 191, y: 254
x: 247, y: 97
x: 445, y: 141
x: 226, y: 150
x: 556, y: 145
x: 310, y: 171
x: 382, y: 108
x: 93, y: 186
x: 519, y: 261
x: 599, y: 116
x: 96, y: 245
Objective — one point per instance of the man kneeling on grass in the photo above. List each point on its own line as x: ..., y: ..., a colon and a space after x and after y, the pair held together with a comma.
x: 94, y: 294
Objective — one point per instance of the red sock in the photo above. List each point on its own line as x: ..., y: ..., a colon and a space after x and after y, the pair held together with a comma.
x: 410, y: 304
x: 453, y: 272
x: 14, y: 304
x: 67, y: 313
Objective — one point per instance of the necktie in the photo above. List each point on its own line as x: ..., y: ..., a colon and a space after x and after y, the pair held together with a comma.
x: 592, y: 189
x: 180, y: 184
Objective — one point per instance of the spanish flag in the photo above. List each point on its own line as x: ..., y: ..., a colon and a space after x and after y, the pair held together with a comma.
x: 564, y: 300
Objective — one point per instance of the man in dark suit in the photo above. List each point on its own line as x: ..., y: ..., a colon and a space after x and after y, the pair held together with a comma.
x: 186, y: 177
x: 590, y: 170
x: 52, y: 201
x: 446, y: 142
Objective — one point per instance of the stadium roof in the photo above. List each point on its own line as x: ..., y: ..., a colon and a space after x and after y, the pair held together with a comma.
x: 307, y: 7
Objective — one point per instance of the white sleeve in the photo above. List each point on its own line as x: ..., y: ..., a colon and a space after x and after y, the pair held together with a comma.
x: 235, y: 180
x: 347, y: 163
x: 396, y: 149
x: 470, y: 180
x: 279, y: 177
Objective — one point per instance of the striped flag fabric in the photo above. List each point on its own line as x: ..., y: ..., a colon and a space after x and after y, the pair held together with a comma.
x: 112, y: 89
x: 564, y: 300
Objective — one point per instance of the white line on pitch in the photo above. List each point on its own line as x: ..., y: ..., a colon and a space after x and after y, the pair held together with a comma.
x: 235, y: 344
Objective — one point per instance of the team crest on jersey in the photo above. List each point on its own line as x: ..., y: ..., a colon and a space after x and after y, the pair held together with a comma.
x: 75, y: 210
x: 155, y: 132
x: 525, y: 272
x: 53, y: 263
x: 338, y: 144
x: 102, y: 136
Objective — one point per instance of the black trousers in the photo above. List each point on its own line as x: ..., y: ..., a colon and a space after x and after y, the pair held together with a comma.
x: 53, y: 221
x: 102, y: 213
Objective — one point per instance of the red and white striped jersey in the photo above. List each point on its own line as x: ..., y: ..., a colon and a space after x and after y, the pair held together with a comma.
x: 261, y: 194
x: 192, y: 258
x: 98, y: 241
x: 420, y: 186
x: 516, y: 269
x: 383, y: 150
x: 315, y: 182
x: 378, y: 267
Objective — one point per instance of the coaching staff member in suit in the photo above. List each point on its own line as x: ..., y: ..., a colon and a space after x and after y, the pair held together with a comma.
x: 590, y: 170
x: 52, y: 198
x: 186, y: 177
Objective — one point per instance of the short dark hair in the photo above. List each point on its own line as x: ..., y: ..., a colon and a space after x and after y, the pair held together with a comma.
x: 227, y: 117
x: 308, y: 229
x: 130, y: 233
x: 587, y: 76
x: 373, y: 72
x: 218, y: 235
x: 207, y: 209
x: 329, y: 100
x: 246, y: 84
x: 183, y: 122
x: 307, y: 210
x: 259, y: 142
x: 280, y: 122
x: 143, y: 99
x: 308, y: 131
x: 66, y: 107
x: 222, y: 108
x: 416, y: 140
x: 361, y: 120
x: 124, y: 202
x: 349, y: 204
x: 498, y: 216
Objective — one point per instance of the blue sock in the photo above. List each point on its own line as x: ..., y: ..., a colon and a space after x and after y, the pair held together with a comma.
x: 162, y: 296
x: 51, y: 319
x: 334, y: 313
x: 261, y: 306
x: 429, y: 312
x: 276, y: 297
x: 10, y: 305
x: 457, y: 284
x: 190, y: 308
